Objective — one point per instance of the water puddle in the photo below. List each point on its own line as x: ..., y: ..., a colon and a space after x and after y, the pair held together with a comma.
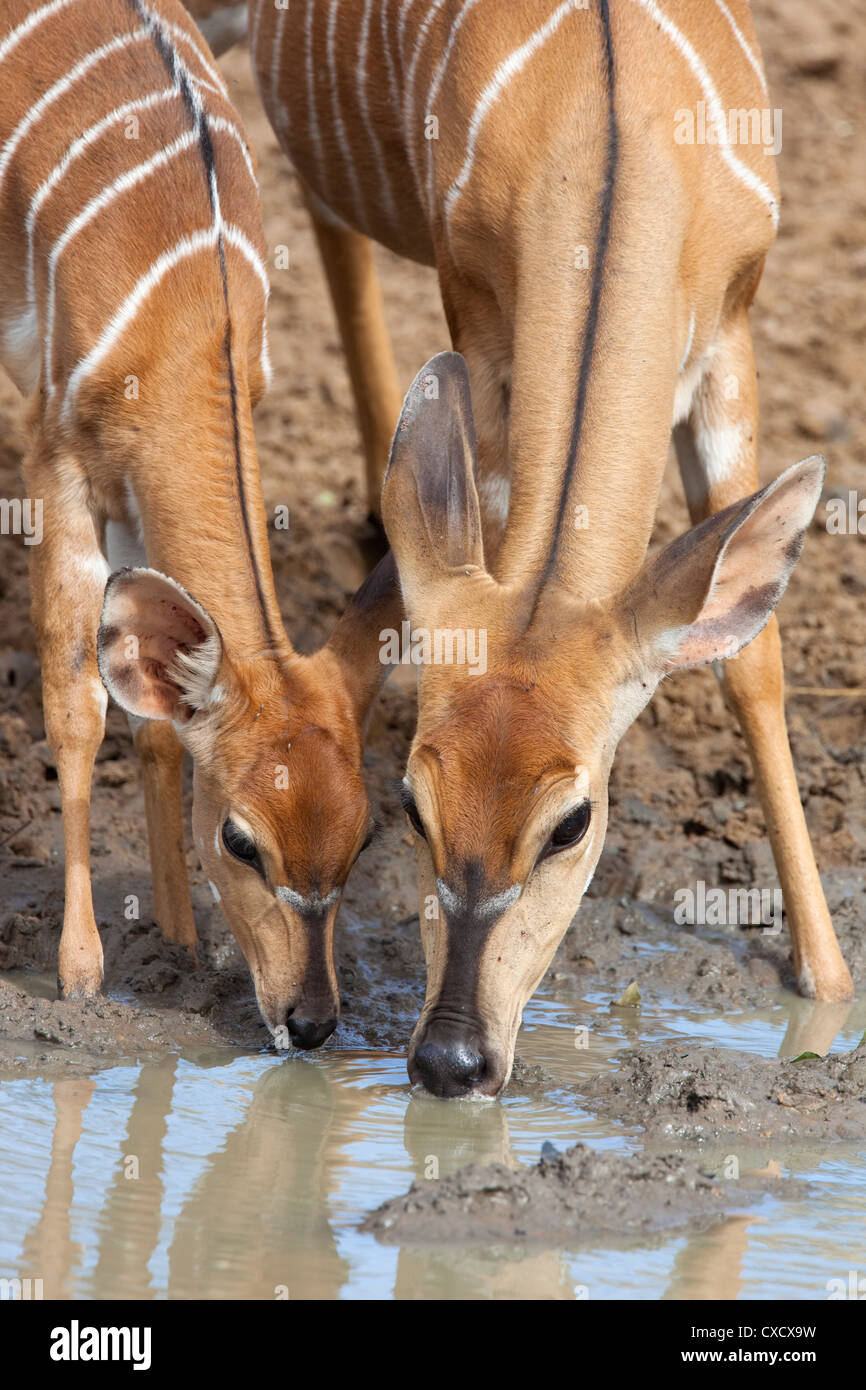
x: 219, y: 1174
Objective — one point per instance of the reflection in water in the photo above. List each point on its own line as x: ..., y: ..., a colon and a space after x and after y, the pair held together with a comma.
x: 504, y: 1273
x: 710, y: 1265
x: 132, y: 1215
x: 477, y: 1133
x: 271, y: 1177
x: 813, y: 1026
x: 49, y: 1253
x: 219, y: 1175
x: 314, y: 1148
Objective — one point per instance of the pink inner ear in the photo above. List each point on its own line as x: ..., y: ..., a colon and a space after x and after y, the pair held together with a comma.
x: 147, y: 620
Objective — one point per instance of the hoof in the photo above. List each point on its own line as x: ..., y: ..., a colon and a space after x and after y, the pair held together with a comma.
x: 80, y: 984
x: 830, y: 986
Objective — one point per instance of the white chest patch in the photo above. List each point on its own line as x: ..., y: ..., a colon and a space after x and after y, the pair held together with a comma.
x: 122, y: 547
x: 21, y: 350
x: 495, y: 495
x: 688, y: 382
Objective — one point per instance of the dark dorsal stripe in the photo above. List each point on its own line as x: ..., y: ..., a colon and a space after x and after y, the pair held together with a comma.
x: 198, y: 117
x: 605, y: 218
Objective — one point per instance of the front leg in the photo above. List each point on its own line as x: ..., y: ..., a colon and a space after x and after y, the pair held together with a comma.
x: 717, y: 452
x: 67, y: 578
x: 347, y: 258
x: 161, y: 757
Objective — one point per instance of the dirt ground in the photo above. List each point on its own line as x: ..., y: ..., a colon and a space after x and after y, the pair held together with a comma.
x: 682, y: 803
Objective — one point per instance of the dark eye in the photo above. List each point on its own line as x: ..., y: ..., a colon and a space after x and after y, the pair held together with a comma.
x: 571, y: 828
x: 240, y: 846
x: 411, y: 809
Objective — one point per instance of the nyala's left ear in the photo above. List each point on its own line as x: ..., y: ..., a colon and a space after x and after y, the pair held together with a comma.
x: 430, y: 501
x: 711, y: 591
x: 159, y: 651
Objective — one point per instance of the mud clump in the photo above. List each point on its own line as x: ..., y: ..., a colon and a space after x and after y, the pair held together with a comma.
x: 572, y: 1197
x: 52, y: 1035
x: 687, y: 1092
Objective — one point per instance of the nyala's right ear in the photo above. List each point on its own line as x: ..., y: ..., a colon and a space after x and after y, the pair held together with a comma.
x: 429, y: 500
x: 711, y: 591
x: 158, y: 650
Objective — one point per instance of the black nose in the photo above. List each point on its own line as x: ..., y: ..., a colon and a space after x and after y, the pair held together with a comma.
x: 448, y: 1069
x: 309, y: 1032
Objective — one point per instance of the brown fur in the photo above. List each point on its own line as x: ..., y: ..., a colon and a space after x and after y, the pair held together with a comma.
x: 183, y: 448
x: 578, y: 631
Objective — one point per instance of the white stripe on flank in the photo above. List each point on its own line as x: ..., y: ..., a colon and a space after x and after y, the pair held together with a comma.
x: 188, y: 246
x: 276, y: 61
x: 315, y: 133
x: 689, y: 341
x: 93, y: 133
x: 372, y: 133
x: 741, y: 40
x: 30, y: 23
x: 156, y: 25
x: 408, y: 113
x: 190, y: 42
x: 255, y: 29
x: 265, y: 355
x: 339, y: 128
x: 223, y: 232
x: 402, y: 21
x: 389, y: 57
x: 434, y: 92
x: 714, y: 107
x: 241, y: 242
x: 199, y: 82
x: 227, y: 233
x: 60, y: 88
x: 220, y: 123
x: 509, y: 68
x: 215, y: 203
x: 130, y: 178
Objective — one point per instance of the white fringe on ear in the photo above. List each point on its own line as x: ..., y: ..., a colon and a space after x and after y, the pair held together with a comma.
x: 194, y: 671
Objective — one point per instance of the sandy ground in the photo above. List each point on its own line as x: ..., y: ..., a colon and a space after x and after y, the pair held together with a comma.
x: 682, y: 804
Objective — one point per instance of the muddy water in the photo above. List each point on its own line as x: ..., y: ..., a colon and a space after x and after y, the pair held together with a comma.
x: 219, y: 1174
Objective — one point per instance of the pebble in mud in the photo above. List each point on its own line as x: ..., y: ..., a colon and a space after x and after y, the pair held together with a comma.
x: 573, y: 1197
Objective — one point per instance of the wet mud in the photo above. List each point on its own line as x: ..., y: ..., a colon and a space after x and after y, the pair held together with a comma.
x: 569, y: 1198
x: 696, y: 1093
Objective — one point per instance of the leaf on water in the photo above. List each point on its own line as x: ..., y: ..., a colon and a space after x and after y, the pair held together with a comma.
x: 630, y: 998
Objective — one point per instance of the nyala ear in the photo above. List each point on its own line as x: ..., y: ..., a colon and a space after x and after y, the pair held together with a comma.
x: 712, y: 590
x: 356, y: 641
x: 429, y: 500
x: 158, y: 650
